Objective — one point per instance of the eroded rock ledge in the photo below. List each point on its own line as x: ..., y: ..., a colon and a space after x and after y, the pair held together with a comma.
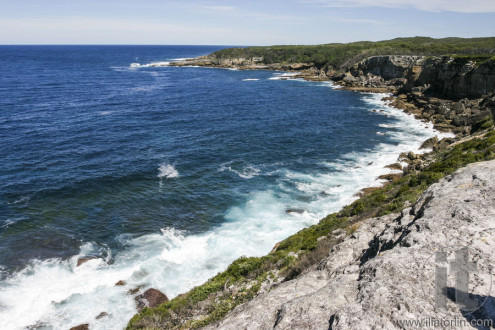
x: 383, y: 274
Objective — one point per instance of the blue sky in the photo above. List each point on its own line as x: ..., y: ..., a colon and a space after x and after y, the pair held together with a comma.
x: 248, y: 22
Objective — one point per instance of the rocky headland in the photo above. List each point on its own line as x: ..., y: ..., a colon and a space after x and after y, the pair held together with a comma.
x: 372, y: 264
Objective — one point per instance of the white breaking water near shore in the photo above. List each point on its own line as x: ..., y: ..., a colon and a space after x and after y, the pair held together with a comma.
x: 57, y: 294
x: 149, y: 65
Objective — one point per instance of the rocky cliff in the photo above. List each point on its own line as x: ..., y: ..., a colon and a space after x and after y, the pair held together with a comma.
x: 456, y: 94
x: 383, y: 275
x: 443, y: 76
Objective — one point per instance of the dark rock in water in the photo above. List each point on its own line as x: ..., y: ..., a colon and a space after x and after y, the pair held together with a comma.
x: 80, y: 261
x: 300, y: 211
x: 101, y: 315
x: 150, y: 298
x: 370, y: 163
x: 135, y: 290
x: 120, y: 283
x: 81, y: 327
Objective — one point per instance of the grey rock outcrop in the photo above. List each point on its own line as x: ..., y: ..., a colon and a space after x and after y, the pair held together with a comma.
x: 383, y: 274
x: 388, y: 67
x: 443, y: 76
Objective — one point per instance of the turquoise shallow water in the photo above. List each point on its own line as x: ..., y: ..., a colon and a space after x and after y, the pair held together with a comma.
x: 166, y: 174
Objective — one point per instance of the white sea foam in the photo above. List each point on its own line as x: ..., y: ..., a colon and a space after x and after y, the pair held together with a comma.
x: 250, y: 79
x: 390, y: 125
x: 283, y: 76
x: 167, y: 171
x: 149, y: 65
x: 247, y: 172
x: 330, y: 84
x: 59, y: 294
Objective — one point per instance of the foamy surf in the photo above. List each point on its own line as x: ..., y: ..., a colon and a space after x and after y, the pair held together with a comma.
x: 283, y: 76
x: 57, y: 294
x: 149, y: 65
x: 167, y: 171
x: 247, y: 172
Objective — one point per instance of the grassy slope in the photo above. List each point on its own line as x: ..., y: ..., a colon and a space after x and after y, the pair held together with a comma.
x: 338, y: 56
x: 212, y: 300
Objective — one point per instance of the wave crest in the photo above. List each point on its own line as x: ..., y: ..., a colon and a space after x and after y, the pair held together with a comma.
x: 167, y: 171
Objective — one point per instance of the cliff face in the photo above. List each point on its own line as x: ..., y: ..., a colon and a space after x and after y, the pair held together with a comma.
x: 383, y: 275
x: 441, y: 76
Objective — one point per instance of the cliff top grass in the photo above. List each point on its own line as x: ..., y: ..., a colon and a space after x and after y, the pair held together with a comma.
x: 208, y: 303
x: 340, y: 56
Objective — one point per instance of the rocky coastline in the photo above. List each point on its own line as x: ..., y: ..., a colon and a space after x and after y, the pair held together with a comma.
x: 454, y: 94
x: 320, y: 276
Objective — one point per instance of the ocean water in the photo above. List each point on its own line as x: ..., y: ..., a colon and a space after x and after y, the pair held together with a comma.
x: 165, y: 174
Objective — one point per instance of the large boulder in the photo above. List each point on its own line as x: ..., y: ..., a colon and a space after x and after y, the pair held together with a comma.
x: 150, y: 298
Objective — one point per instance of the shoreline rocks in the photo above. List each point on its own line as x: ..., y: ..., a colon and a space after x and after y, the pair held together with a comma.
x: 150, y: 298
x: 81, y: 327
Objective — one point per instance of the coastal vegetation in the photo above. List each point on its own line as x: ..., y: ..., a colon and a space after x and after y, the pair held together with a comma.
x: 246, y: 277
x: 338, y: 55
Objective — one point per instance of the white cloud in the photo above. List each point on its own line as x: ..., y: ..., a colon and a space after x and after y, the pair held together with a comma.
x: 462, y: 6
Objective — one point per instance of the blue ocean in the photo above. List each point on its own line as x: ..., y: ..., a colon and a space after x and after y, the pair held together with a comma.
x: 164, y: 174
